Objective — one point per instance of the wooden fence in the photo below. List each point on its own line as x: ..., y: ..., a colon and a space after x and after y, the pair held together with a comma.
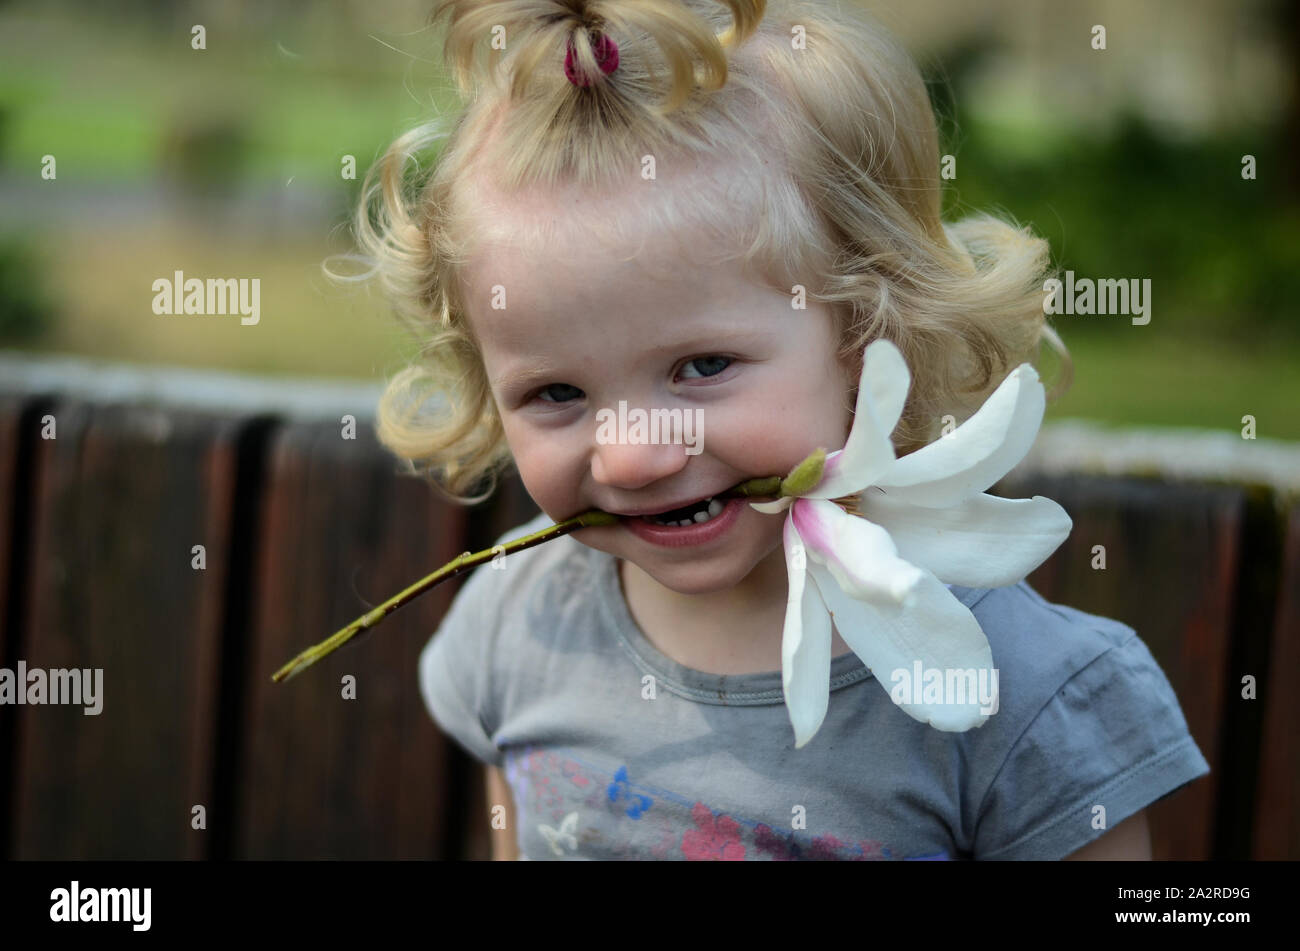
x: 105, y: 492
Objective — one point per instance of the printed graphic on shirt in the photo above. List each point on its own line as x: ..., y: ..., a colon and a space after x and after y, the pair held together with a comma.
x: 561, y: 839
x: 581, y: 811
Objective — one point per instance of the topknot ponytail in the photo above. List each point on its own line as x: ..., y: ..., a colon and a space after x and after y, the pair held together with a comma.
x: 534, y: 36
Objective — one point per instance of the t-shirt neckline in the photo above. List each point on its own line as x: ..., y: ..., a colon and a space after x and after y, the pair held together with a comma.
x: 752, y: 689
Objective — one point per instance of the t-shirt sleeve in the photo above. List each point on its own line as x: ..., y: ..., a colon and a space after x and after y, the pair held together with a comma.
x: 455, y: 668
x: 1113, y: 736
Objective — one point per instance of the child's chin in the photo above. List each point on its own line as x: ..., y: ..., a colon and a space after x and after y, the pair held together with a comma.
x: 693, y: 584
x: 698, y: 578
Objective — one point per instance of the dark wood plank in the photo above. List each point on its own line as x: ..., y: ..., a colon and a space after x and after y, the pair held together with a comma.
x: 1171, y: 565
x: 18, y: 412
x: 322, y: 776
x: 12, y: 407
x: 121, y: 495
x: 1277, y: 820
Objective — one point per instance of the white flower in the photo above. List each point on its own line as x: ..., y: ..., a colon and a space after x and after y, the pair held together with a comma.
x: 920, y: 522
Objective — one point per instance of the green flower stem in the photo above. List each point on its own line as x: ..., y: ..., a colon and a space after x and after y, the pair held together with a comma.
x: 456, y: 566
x: 809, y: 469
x: 771, y: 485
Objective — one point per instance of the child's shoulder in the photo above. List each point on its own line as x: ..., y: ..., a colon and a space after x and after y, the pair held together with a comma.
x: 1036, y: 636
x: 1039, y: 647
x: 1086, y: 719
x: 1068, y: 678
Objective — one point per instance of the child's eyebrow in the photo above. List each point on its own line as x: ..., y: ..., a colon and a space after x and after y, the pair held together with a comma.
x: 523, y: 378
x: 717, y: 338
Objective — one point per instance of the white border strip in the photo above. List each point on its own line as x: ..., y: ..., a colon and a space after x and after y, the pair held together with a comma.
x: 300, y: 398
x: 1080, y: 446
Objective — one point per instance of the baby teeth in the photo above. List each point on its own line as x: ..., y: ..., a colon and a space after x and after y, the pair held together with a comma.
x: 714, y: 509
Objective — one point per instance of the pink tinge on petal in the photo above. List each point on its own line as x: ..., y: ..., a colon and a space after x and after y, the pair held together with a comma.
x: 812, y: 530
x: 832, y: 470
x: 859, y: 553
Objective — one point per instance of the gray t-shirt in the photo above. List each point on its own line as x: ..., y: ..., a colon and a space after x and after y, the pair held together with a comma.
x: 615, y: 751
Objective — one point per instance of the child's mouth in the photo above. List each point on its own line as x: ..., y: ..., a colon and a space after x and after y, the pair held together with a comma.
x: 697, y: 513
x: 699, y: 523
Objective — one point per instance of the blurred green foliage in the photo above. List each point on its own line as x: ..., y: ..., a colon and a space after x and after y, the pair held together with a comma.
x: 206, y: 154
x: 1222, y: 252
x: 26, y: 311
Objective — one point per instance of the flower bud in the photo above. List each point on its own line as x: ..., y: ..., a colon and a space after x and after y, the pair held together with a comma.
x: 805, y: 476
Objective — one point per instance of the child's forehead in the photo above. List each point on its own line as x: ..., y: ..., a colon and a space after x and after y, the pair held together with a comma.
x: 511, y: 283
x: 655, y: 196
x: 567, y: 234
x: 695, y: 216
x: 542, y: 216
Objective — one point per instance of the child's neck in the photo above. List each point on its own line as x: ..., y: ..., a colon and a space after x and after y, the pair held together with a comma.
x: 737, y: 631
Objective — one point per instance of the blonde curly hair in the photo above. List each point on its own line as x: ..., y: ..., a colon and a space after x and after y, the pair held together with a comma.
x: 826, y: 174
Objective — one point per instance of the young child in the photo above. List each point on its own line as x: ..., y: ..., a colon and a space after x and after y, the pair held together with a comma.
x: 710, y: 210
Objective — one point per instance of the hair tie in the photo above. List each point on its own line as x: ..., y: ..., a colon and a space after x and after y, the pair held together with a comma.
x: 606, y: 51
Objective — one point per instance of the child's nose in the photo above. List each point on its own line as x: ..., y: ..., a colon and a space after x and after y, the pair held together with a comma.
x: 632, y: 466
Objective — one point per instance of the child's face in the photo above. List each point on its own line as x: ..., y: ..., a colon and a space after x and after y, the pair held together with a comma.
x: 582, y: 331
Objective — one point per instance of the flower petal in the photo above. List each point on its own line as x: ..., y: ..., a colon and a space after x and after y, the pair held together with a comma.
x: 978, y: 452
x: 805, y: 646
x: 860, y: 556
x: 882, y: 391
x: 772, y: 508
x: 983, y: 542
x: 938, y: 631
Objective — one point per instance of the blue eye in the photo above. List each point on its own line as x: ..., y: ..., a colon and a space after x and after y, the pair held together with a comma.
x: 712, y: 365
x: 566, y: 393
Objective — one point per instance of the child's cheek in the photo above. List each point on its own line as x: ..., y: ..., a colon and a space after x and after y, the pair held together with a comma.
x: 550, y: 473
